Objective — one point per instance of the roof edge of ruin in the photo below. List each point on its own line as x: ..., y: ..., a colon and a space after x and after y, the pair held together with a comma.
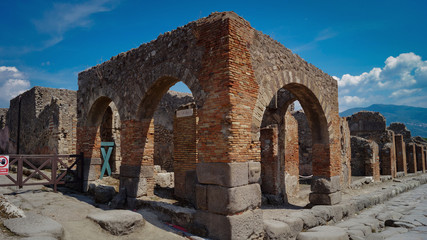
x: 212, y: 17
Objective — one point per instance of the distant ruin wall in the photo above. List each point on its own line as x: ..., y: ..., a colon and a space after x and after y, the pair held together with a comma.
x: 47, y: 119
x: 163, y: 127
x: 305, y: 144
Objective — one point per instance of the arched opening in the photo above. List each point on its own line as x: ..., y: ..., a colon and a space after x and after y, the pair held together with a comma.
x: 103, y: 126
x: 170, y: 139
x: 294, y: 142
x: 110, y: 132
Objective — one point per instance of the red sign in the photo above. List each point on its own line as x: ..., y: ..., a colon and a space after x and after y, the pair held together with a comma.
x: 4, y: 165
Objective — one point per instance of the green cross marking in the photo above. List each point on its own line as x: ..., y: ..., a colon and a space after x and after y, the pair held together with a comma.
x: 106, y: 156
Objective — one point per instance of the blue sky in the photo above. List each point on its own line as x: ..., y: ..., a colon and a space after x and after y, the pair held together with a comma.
x: 375, y: 49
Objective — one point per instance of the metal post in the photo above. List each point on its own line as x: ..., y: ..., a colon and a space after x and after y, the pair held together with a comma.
x: 82, y: 165
x: 19, y: 125
x: 19, y: 172
x: 54, y: 162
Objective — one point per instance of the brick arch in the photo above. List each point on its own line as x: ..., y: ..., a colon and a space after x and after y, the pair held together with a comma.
x: 90, y: 136
x: 319, y: 122
x: 310, y: 99
x: 158, y: 88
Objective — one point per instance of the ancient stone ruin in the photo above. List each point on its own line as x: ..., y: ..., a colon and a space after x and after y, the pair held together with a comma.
x: 233, y: 144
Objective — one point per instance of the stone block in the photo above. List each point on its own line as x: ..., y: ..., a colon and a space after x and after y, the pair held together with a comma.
x: 254, y: 172
x: 325, y: 198
x: 276, y: 230
x: 224, y: 200
x: 136, y: 171
x: 135, y: 187
x: 295, y: 224
x: 104, y: 194
x: 223, y: 174
x: 91, y: 169
x: 164, y: 180
x: 201, y: 197
x: 326, y: 185
x: 247, y: 225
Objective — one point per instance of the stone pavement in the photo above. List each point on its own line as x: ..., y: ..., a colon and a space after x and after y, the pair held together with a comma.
x: 402, y: 217
x: 357, y: 216
x: 70, y: 210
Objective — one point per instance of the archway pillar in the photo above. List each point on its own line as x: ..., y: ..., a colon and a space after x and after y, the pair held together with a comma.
x: 326, y: 183
x: 90, y: 145
x: 137, y: 168
x: 228, y: 197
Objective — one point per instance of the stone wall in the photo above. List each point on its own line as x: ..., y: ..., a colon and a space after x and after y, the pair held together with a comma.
x: 233, y: 72
x: 411, y: 157
x: 365, y: 158
x: 185, y: 151
x: 400, y: 128
x: 345, y: 153
x: 163, y: 127
x: 291, y: 156
x: 421, y: 162
x: 400, y: 154
x: 4, y: 131
x: 305, y: 144
x: 47, y: 121
x: 372, y: 126
x: 369, y: 125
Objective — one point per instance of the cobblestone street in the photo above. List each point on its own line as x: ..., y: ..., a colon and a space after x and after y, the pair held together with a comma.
x: 402, y: 217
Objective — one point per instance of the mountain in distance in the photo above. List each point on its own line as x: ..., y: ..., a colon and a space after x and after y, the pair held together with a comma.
x: 415, y: 118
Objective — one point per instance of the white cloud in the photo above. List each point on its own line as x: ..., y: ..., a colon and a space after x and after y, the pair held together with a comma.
x: 12, y: 83
x: 404, y: 92
x: 401, y: 77
x: 66, y: 16
x: 354, y: 100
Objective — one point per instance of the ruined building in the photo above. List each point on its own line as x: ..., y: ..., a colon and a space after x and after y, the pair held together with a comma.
x: 234, y: 72
x: 234, y: 139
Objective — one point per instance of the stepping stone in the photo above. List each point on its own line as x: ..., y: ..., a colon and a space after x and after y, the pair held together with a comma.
x: 324, y: 233
x: 34, y: 225
x: 118, y: 222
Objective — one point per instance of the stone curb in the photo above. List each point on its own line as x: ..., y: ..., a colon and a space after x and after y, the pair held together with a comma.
x: 321, y: 215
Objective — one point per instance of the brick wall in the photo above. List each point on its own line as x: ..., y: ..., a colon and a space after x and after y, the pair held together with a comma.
x: 305, y: 144
x: 364, y: 158
x: 411, y: 157
x: 421, y: 163
x: 400, y: 154
x: 47, y: 118
x: 291, y: 155
x: 185, y: 151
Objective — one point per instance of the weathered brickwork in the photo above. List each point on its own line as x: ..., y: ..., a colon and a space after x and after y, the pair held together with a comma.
x: 163, y: 127
x: 400, y: 154
x: 372, y: 126
x: 305, y: 144
x: 411, y: 157
x: 345, y: 153
x: 4, y: 131
x: 365, y: 158
x: 291, y: 156
x: 421, y: 162
x: 233, y: 72
x: 400, y: 128
x: 185, y: 151
x: 271, y: 170
x: 47, y: 119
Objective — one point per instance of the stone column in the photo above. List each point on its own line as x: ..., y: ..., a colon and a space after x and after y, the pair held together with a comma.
x: 185, y: 152
x: 400, y: 154
x: 291, y: 156
x: 137, y: 169
x: 89, y: 142
x: 421, y: 163
x: 411, y: 157
x: 270, y: 164
x: 388, y: 160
